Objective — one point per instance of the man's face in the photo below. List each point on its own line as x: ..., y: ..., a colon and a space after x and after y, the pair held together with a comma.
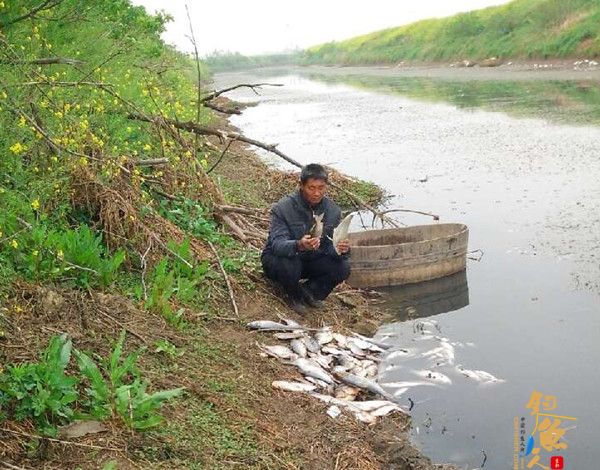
x: 313, y: 190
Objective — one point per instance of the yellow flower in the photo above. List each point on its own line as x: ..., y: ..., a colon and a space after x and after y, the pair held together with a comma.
x: 17, y: 148
x: 35, y: 253
x: 1, y: 4
x: 18, y: 309
x: 0, y: 233
x: 14, y: 243
x: 35, y: 204
x: 60, y: 255
x: 147, y: 147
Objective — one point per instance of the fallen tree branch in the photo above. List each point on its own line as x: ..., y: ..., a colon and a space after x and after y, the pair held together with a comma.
x: 51, y: 439
x: 43, y: 61
x: 152, y: 162
x: 221, y: 134
x: 208, y: 104
x: 252, y: 86
x: 229, y: 288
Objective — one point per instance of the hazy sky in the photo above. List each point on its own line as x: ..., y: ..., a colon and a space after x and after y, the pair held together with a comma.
x: 259, y: 26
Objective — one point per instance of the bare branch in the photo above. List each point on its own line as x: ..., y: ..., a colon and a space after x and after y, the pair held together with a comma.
x: 252, y: 86
x: 44, y: 61
x: 229, y: 288
x: 221, y: 157
x: 46, y: 5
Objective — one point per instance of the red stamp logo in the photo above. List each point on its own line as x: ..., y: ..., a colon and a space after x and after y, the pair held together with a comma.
x: 557, y: 462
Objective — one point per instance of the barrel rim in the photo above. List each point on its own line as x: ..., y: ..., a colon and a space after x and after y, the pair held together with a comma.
x: 463, y: 229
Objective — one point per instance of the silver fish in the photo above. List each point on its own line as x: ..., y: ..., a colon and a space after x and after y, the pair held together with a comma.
x: 288, y: 336
x: 434, y: 376
x: 310, y: 369
x: 298, y: 347
x: 340, y: 339
x: 324, y: 336
x: 319, y: 383
x: 365, y: 384
x: 341, y: 231
x: 293, y: 386
x: 323, y: 361
x: 312, y: 344
x: 268, y: 325
x: 280, y: 352
x: 407, y: 384
x: 333, y: 351
x: 378, y: 344
x: 480, y: 376
x: 316, y: 230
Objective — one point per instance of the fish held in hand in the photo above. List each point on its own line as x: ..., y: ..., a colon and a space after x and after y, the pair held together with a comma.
x: 341, y: 231
x: 316, y: 231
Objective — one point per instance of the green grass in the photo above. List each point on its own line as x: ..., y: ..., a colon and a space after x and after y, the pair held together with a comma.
x: 524, y: 29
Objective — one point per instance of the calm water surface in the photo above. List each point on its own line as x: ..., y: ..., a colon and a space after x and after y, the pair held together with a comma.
x: 519, y: 163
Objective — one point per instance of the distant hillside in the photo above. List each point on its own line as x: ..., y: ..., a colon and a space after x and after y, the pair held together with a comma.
x: 540, y: 29
x: 228, y: 61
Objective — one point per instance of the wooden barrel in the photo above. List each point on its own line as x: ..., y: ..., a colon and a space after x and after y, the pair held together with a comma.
x: 397, y: 256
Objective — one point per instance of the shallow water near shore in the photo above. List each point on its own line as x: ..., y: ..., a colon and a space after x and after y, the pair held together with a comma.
x: 525, y: 178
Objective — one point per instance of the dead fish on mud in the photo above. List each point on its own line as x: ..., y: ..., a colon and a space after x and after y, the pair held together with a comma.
x: 280, y: 352
x: 268, y: 325
x: 312, y: 369
x: 342, y: 368
x: 293, y: 386
x: 364, y: 384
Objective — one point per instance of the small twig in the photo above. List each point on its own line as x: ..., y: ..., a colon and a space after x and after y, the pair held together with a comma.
x: 221, y: 157
x: 474, y: 258
x: 235, y: 308
x: 178, y: 256
x: 484, y: 458
x: 11, y: 466
x: 144, y: 266
x: 152, y: 162
x: 51, y: 439
x: 117, y: 322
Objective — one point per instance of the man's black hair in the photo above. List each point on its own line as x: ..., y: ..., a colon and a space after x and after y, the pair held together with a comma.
x: 313, y: 170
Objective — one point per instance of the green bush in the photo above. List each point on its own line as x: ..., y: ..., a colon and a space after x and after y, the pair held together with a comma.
x: 41, y: 390
x: 116, y: 389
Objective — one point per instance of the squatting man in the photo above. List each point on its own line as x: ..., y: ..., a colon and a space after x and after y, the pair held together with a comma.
x: 299, y: 254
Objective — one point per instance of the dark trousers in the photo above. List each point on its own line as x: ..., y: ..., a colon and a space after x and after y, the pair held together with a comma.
x: 322, y: 273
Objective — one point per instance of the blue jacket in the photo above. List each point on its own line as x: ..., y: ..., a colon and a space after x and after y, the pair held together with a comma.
x: 292, y: 218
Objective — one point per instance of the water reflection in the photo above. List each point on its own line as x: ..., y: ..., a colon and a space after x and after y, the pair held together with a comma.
x: 428, y: 298
x: 571, y: 101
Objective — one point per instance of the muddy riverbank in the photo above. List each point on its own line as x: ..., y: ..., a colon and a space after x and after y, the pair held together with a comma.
x: 527, y: 187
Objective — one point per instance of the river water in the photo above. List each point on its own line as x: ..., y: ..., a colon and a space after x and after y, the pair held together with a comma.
x: 518, y: 161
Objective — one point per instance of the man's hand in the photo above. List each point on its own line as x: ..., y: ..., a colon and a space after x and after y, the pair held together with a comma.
x: 307, y: 243
x: 343, y: 247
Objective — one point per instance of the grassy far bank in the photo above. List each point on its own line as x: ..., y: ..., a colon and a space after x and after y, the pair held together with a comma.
x: 525, y: 29
x: 567, y: 101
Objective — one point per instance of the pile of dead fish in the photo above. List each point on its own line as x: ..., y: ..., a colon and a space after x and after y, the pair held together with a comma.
x: 336, y: 369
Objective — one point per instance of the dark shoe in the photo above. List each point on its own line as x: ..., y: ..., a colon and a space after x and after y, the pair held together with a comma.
x: 298, y: 306
x: 308, y: 297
